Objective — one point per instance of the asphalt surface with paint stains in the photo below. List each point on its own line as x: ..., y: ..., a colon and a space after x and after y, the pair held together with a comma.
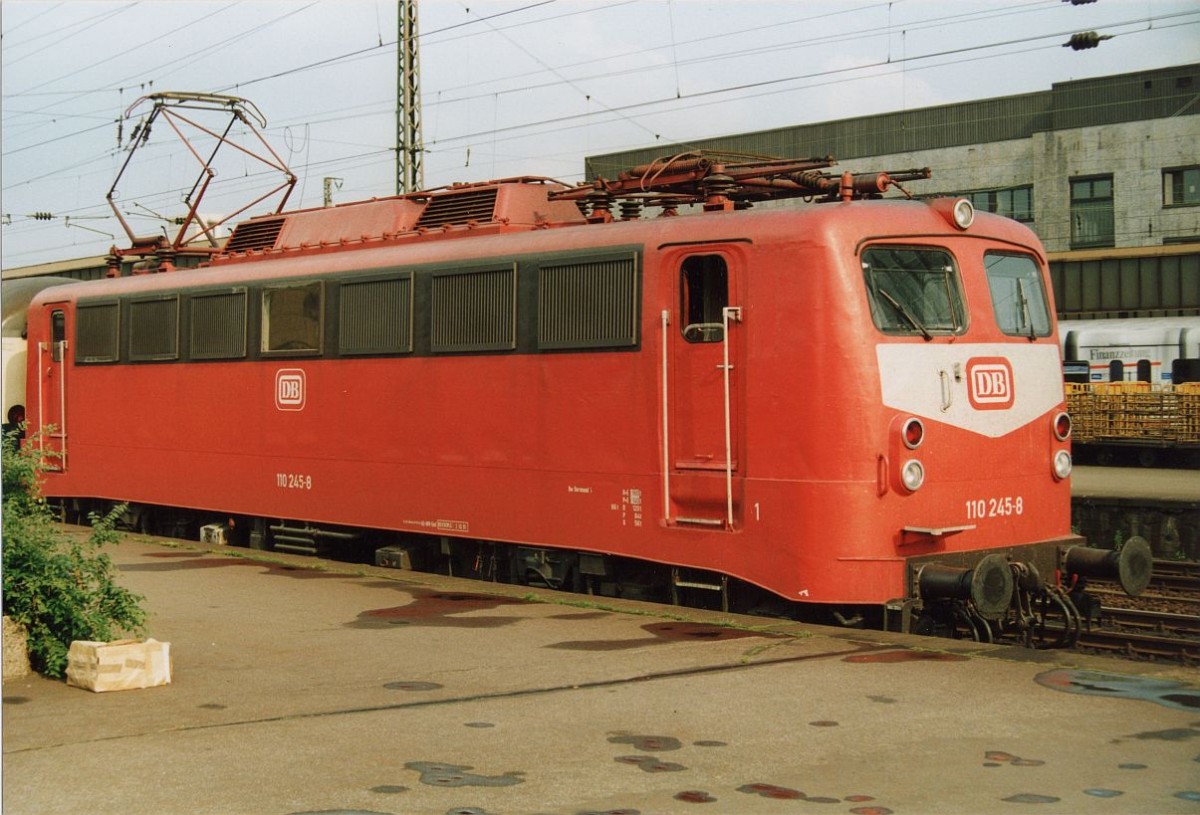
x: 359, y: 690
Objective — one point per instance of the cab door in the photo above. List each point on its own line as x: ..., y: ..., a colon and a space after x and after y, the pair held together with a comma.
x: 52, y: 386
x: 705, y: 389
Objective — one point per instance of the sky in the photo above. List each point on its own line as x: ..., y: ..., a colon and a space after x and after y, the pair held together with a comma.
x: 523, y: 88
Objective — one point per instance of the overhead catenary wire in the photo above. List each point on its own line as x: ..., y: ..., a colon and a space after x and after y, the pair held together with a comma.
x: 67, y: 32
x: 383, y: 154
x: 192, y: 56
x: 751, y: 86
x: 911, y: 26
x: 559, y: 125
x: 120, y: 54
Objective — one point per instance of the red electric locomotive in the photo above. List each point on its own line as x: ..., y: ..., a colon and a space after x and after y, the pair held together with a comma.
x: 856, y: 406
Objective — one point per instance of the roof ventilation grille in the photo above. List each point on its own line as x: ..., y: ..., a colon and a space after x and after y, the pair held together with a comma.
x: 458, y: 208
x: 251, y: 235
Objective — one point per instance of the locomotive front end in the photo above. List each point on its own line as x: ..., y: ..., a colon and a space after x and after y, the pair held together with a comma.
x: 974, y: 478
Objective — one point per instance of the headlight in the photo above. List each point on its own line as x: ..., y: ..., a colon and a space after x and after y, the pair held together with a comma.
x: 912, y: 475
x: 1062, y: 427
x: 964, y: 213
x: 1062, y: 464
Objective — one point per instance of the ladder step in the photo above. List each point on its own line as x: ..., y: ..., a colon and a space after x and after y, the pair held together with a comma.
x: 697, y: 576
x: 701, y: 521
x: 686, y: 584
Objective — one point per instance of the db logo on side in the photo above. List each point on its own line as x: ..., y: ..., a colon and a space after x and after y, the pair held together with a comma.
x: 990, y: 383
x: 289, y: 389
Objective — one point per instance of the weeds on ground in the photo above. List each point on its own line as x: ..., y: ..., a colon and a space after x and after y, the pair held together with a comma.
x: 61, y: 588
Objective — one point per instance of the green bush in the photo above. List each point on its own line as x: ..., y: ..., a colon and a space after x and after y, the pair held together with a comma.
x: 61, y: 588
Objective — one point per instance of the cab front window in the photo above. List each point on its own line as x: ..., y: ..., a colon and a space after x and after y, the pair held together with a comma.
x: 1018, y: 297
x: 913, y: 290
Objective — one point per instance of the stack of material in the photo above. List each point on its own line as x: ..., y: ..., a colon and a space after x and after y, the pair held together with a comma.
x: 1134, y: 412
x: 1188, y: 396
x: 1085, y: 418
x: 119, y: 665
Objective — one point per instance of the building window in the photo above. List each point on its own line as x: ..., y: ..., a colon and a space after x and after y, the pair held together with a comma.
x: 1092, y: 212
x: 1014, y: 202
x: 1181, y: 186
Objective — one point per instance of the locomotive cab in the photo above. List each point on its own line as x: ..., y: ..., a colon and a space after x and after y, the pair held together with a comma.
x: 980, y: 447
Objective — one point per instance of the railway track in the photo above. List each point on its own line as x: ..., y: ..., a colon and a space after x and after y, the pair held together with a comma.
x: 1140, y: 634
x: 1176, y: 575
x: 1161, y: 623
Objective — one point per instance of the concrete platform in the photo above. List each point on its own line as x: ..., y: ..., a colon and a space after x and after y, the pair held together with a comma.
x: 1136, y: 484
x: 353, y: 689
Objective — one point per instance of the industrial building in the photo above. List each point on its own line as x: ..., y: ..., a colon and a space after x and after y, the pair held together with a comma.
x: 1106, y: 171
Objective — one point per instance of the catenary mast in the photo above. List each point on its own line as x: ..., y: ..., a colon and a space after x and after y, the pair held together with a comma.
x: 410, y: 174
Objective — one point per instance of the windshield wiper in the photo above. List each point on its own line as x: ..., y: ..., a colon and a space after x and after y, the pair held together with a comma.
x: 1025, y: 312
x: 906, y: 314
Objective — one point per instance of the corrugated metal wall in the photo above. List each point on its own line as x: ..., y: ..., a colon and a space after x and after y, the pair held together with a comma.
x: 1126, y: 97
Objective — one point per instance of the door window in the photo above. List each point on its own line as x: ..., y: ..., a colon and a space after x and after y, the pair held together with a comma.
x: 704, y: 288
x: 58, y: 334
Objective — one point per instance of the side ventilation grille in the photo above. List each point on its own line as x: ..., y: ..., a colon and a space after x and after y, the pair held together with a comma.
x: 251, y: 235
x: 458, y: 208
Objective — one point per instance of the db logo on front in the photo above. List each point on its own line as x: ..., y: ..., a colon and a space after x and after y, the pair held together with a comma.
x: 289, y: 389
x: 990, y: 383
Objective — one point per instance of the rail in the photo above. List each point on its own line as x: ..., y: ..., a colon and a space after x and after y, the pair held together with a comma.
x: 1161, y: 623
x: 1144, y: 645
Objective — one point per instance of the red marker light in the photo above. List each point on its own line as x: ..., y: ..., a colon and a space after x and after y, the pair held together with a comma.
x: 913, y: 433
